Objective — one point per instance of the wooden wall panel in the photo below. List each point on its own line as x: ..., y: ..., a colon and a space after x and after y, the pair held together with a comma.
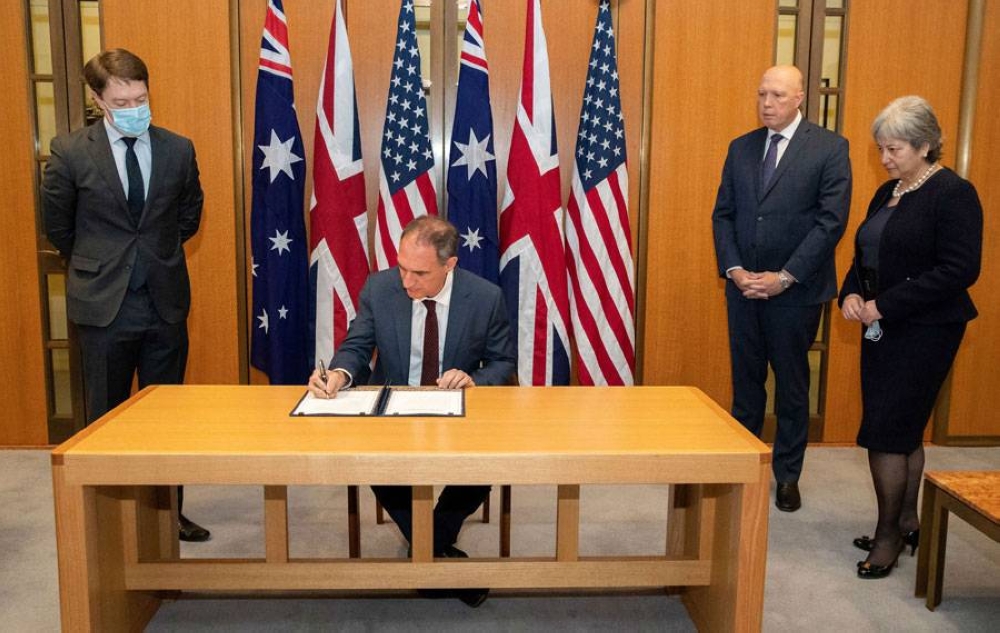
x: 709, y: 57
x: 882, y: 65
x: 975, y: 396
x: 22, y: 373
x: 186, y: 45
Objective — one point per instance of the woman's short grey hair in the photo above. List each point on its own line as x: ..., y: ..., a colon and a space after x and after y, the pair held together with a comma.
x: 910, y: 119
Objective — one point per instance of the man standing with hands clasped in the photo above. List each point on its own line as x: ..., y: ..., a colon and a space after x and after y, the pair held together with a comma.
x: 120, y: 198
x: 782, y: 207
x: 436, y: 325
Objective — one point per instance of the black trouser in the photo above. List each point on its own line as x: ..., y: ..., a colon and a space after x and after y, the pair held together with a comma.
x: 762, y: 333
x: 136, y: 341
x: 453, y: 506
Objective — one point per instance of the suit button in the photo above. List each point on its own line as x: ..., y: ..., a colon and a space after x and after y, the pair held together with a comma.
x: 760, y: 218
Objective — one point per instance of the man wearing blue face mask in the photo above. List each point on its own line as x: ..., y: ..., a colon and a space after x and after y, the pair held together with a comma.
x: 120, y: 198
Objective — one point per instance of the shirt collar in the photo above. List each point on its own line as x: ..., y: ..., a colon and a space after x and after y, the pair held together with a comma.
x: 444, y: 295
x: 114, y: 135
x: 789, y: 130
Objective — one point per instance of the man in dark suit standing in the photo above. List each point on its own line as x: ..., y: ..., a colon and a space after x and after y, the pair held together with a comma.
x: 120, y: 198
x: 782, y: 207
x: 435, y: 325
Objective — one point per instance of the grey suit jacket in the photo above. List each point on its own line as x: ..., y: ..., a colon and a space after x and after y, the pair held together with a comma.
x: 477, y: 340
x: 87, y: 219
x: 793, y: 224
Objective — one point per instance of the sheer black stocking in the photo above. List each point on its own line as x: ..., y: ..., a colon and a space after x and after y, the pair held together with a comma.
x: 889, y: 474
x: 909, y: 520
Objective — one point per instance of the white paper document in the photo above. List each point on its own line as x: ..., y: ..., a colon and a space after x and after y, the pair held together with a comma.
x: 350, y: 402
x: 425, y: 402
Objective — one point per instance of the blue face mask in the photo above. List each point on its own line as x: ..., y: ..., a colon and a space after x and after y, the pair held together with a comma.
x: 132, y: 121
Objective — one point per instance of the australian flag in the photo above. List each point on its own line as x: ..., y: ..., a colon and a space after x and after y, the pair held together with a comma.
x: 281, y: 338
x: 472, y: 171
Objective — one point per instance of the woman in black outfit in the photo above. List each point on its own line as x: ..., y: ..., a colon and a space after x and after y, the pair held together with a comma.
x: 916, y: 254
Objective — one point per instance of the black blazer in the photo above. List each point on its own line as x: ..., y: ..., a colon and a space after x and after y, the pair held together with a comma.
x: 87, y: 219
x: 929, y: 253
x: 477, y: 339
x: 796, y: 222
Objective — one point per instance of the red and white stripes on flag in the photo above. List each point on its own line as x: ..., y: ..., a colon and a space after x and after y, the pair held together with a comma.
x: 598, y: 235
x: 338, y: 217
x: 405, y: 182
x: 532, y: 258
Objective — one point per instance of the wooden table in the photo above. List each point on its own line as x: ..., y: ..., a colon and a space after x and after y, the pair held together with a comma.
x: 116, y: 524
x: 974, y: 496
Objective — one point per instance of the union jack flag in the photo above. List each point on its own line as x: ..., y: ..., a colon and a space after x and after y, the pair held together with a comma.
x: 338, y: 217
x: 598, y: 235
x: 472, y: 175
x: 532, y: 260
x: 280, y: 342
x: 405, y: 183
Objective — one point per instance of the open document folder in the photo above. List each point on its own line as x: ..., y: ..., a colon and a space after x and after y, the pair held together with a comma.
x: 385, y: 400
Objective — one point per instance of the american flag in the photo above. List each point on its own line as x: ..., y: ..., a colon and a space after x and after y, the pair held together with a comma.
x: 338, y: 217
x: 405, y: 183
x: 598, y: 236
x: 472, y: 175
x: 532, y: 260
x: 281, y: 338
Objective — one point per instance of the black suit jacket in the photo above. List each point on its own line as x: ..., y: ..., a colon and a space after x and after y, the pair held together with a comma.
x: 793, y: 224
x: 477, y: 339
x: 87, y: 219
x: 929, y: 253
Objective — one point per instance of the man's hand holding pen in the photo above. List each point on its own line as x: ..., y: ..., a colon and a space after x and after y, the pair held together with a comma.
x: 324, y: 384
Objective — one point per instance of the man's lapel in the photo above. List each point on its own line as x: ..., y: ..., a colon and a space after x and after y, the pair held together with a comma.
x: 800, y: 140
x: 458, y: 320
x: 402, y: 321
x: 158, y: 151
x: 99, y: 149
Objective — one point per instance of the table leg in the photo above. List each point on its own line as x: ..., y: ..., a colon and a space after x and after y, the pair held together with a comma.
x: 422, y: 526
x: 568, y: 523
x: 937, y: 539
x: 90, y: 528
x: 734, y: 600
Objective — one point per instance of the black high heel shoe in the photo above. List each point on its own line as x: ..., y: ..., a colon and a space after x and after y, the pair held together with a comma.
x: 911, y: 538
x: 868, y: 571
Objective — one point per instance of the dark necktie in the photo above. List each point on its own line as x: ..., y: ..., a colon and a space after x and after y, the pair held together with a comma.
x: 136, y: 190
x: 770, y: 161
x: 429, y: 369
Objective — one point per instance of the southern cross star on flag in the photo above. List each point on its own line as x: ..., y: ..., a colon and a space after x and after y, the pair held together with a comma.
x: 472, y: 174
x: 281, y: 338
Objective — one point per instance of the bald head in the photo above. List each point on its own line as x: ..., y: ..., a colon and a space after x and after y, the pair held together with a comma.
x: 779, y: 96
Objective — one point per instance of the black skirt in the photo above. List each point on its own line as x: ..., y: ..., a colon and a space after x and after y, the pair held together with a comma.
x: 901, y: 375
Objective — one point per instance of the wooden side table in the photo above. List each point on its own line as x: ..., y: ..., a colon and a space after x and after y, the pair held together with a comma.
x: 974, y: 496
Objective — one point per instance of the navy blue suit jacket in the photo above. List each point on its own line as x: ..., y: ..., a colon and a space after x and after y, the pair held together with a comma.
x: 87, y: 219
x: 477, y: 339
x: 929, y: 254
x: 794, y: 223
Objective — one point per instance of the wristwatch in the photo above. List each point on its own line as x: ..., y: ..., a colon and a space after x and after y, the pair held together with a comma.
x: 784, y: 280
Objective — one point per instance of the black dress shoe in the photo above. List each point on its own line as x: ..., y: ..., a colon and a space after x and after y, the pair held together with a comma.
x: 188, y: 530
x: 471, y: 597
x: 787, y: 498
x: 868, y: 571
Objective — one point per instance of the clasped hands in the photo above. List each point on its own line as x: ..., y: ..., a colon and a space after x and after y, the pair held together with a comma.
x: 336, y: 380
x: 855, y: 308
x: 755, y: 285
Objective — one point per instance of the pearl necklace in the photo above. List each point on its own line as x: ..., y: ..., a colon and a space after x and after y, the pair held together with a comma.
x: 897, y: 193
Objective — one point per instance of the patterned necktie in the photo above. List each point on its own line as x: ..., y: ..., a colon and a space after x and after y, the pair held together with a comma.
x: 136, y: 189
x: 770, y: 161
x: 429, y: 369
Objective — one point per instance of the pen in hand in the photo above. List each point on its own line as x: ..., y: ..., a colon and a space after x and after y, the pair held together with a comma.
x: 323, y: 377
